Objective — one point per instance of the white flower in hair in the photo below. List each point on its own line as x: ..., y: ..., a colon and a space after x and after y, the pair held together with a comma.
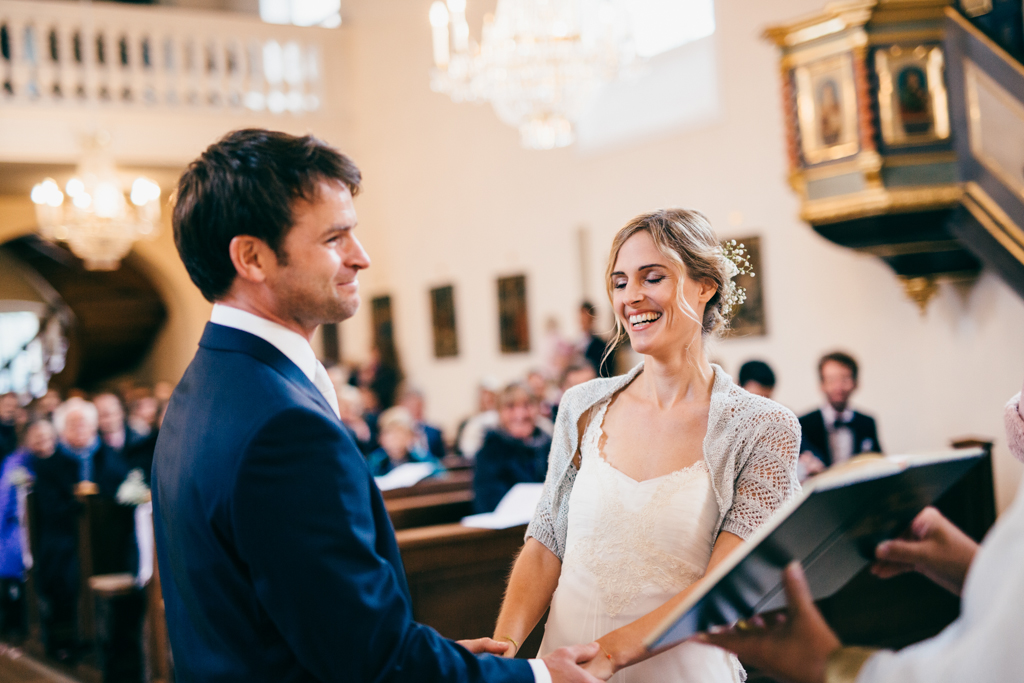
x: 733, y: 295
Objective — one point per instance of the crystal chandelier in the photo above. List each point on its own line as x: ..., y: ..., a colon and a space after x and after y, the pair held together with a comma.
x: 539, y: 62
x: 99, y: 219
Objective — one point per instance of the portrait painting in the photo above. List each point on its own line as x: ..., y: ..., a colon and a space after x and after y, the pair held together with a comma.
x: 749, y: 319
x: 827, y: 109
x: 912, y: 104
x: 513, y: 321
x: 442, y: 312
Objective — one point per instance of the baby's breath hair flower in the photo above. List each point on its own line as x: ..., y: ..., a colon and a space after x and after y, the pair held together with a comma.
x: 737, y: 263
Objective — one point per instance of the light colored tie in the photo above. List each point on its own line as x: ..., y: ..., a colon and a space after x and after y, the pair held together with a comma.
x: 323, y: 382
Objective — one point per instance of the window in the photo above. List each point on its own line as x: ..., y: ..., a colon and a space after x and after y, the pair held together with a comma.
x: 326, y: 13
x: 21, y: 353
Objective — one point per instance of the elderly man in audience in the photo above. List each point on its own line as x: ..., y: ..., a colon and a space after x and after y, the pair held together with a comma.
x: 57, y: 472
x: 835, y: 432
x: 8, y: 426
x: 398, y: 443
x: 428, y: 437
x: 77, y: 424
x: 516, y: 452
x: 981, y: 646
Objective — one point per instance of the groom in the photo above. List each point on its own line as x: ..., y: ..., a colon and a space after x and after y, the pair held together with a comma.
x: 277, y: 557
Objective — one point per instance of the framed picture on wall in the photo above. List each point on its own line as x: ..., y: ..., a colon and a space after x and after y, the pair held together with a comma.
x: 383, y: 323
x: 826, y: 100
x: 912, y: 102
x: 513, y: 320
x: 442, y: 312
x: 749, y: 319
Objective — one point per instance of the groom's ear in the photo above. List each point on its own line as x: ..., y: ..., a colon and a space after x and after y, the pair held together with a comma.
x: 252, y: 258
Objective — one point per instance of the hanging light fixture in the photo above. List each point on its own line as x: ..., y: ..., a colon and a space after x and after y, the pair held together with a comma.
x: 96, y: 214
x: 539, y: 62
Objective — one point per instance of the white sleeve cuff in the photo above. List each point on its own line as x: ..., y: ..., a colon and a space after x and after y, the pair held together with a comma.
x: 540, y: 671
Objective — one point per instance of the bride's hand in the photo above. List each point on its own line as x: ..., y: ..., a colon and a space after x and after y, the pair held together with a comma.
x: 481, y: 646
x: 600, y: 666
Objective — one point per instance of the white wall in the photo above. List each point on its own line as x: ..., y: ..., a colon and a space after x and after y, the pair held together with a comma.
x: 450, y: 197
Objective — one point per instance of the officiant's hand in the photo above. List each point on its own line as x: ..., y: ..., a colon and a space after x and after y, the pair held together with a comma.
x: 479, y: 646
x: 793, y: 645
x: 933, y: 546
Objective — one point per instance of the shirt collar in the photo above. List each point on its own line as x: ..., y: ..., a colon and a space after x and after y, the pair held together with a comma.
x: 829, y: 414
x: 292, y: 344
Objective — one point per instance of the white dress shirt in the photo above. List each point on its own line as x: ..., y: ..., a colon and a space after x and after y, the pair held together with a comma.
x: 296, y: 348
x: 840, y: 441
x: 293, y: 345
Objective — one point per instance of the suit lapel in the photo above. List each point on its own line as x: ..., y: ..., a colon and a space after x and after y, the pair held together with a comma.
x: 222, y: 338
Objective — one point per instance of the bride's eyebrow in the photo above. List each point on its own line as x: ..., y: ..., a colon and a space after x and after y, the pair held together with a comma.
x: 641, y: 268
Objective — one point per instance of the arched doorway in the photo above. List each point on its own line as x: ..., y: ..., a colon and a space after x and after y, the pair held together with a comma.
x: 111, y: 318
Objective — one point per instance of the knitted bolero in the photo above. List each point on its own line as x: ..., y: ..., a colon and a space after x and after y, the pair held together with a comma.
x: 751, y: 450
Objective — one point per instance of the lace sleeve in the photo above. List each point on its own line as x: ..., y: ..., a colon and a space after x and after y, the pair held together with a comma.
x: 768, y: 477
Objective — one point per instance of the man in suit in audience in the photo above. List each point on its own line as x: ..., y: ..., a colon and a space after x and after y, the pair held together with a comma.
x: 592, y: 346
x: 835, y: 432
x: 757, y: 377
x: 277, y: 557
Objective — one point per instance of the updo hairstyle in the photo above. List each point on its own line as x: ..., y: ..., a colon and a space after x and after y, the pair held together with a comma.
x: 687, y: 239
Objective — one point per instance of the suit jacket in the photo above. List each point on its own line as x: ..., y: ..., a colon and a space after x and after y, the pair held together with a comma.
x: 435, y: 442
x: 815, y: 435
x: 504, y: 461
x: 277, y: 557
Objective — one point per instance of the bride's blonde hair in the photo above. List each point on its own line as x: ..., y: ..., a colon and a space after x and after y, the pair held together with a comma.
x: 685, y: 238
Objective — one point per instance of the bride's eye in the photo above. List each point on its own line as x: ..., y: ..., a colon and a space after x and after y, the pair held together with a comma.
x: 655, y: 280
x: 620, y: 284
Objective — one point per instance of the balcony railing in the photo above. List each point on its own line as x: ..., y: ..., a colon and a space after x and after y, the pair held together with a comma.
x: 67, y: 54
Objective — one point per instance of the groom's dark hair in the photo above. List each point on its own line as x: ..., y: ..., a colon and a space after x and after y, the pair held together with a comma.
x: 246, y: 184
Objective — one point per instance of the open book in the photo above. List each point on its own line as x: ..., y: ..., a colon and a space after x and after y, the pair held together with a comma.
x: 832, y: 527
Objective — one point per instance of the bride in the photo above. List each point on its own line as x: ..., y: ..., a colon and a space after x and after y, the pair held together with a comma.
x: 656, y: 475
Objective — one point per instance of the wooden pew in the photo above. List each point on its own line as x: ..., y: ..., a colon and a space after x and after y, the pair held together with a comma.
x: 430, y: 509
x: 445, y: 482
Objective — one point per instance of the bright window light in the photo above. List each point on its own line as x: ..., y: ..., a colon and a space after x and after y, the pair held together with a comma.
x: 660, y: 25
x: 326, y: 13
x: 17, y: 361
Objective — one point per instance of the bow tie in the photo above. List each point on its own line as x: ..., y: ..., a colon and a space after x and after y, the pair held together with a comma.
x: 839, y: 423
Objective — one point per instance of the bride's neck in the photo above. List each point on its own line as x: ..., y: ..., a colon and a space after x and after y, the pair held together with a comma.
x: 678, y: 378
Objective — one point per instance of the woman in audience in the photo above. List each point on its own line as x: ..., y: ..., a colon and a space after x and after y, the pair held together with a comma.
x: 981, y: 646
x: 516, y: 452
x: 56, y: 556
x: 398, y: 443
x: 350, y: 407
x: 12, y: 536
x: 654, y: 476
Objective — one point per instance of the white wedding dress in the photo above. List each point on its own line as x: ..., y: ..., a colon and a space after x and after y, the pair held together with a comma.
x: 630, y: 547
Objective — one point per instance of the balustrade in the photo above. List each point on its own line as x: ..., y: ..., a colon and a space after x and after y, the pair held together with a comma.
x: 67, y: 54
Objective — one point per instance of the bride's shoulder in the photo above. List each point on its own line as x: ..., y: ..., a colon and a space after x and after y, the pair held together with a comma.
x: 755, y: 411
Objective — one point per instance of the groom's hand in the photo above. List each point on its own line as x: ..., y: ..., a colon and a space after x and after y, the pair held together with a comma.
x: 564, y: 663
x: 488, y: 646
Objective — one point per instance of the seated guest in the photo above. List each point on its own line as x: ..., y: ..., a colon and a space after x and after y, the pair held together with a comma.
x: 350, y: 409
x: 56, y: 555
x: 515, y: 452
x: 757, y: 377
x: 835, y: 432
x: 101, y: 467
x: 546, y: 392
x: 428, y: 437
x: 397, y: 443
x: 575, y: 374
x: 592, y: 346
x: 981, y: 646
x: 473, y: 429
x: 142, y: 413
x: 8, y: 427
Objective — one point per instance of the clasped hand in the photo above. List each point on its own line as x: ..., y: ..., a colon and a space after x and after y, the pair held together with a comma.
x: 566, y: 665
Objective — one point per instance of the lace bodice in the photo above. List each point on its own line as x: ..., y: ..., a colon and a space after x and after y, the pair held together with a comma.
x: 631, y: 536
x: 750, y: 450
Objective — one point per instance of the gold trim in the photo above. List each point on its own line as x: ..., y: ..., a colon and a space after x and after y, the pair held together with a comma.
x: 995, y: 220
x: 975, y: 80
x: 856, y: 40
x: 893, y: 131
x: 868, y: 161
x: 988, y: 42
x: 878, y: 202
x: 920, y: 159
x: 906, y: 248
x: 836, y: 18
x: 885, y: 35
x: 845, y: 663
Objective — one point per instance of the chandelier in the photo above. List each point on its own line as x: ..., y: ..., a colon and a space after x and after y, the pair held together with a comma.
x: 539, y: 62
x: 101, y: 217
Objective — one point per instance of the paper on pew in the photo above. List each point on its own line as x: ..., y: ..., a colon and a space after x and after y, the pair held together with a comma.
x: 515, y: 509
x: 409, y: 474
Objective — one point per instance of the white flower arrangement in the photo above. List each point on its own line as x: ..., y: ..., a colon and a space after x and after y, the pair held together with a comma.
x: 133, y: 490
x: 20, y: 477
x: 736, y: 263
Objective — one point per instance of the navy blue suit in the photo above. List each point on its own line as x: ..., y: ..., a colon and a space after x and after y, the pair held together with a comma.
x: 277, y: 557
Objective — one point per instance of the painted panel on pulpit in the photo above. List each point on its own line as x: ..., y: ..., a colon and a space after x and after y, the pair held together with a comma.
x: 513, y: 320
x: 442, y: 310
x: 827, y: 108
x: 749, y: 319
x: 912, y: 102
